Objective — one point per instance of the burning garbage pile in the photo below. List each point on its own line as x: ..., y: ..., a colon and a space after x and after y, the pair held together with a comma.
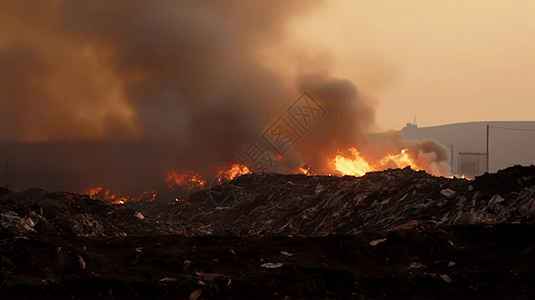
x: 103, y: 194
x: 386, y: 234
x: 147, y: 97
x: 379, y: 201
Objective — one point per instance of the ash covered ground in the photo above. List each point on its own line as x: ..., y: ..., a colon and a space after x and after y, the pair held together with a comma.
x: 389, y: 234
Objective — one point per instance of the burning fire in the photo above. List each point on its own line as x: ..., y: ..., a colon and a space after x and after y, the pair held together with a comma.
x: 460, y: 177
x: 229, y: 173
x: 186, y: 179
x: 106, y: 195
x: 191, y: 180
x: 307, y: 170
x: 349, y: 163
x: 357, y: 165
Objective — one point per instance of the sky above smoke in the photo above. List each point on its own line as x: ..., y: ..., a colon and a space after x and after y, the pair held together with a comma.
x: 443, y: 61
x: 205, y: 78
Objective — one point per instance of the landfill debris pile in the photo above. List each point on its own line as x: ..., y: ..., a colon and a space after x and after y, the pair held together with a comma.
x: 45, y: 213
x: 390, y: 234
x: 380, y: 201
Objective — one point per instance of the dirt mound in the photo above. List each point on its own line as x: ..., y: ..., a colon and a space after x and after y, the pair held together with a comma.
x: 390, y: 234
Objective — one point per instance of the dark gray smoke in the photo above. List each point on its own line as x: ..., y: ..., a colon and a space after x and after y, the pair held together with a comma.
x: 349, y: 122
x: 169, y: 84
x: 350, y: 115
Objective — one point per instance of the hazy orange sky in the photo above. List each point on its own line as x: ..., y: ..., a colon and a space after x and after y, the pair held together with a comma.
x: 443, y: 61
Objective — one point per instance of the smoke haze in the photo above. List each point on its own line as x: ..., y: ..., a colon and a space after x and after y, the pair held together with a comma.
x: 187, y: 77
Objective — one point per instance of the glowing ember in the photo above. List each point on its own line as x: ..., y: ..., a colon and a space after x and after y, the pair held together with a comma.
x: 187, y: 179
x: 460, y: 177
x: 229, y: 173
x: 106, y: 195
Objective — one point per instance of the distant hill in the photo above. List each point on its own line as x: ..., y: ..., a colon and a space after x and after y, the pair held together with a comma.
x: 507, y: 147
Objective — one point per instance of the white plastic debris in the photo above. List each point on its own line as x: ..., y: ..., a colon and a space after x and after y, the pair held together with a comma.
x: 82, y: 262
x: 445, y: 278
x: 375, y: 242
x: 272, y: 265
x: 451, y: 264
x: 448, y: 193
x: 139, y: 215
x: 496, y: 199
x: 14, y: 219
x: 167, y: 279
x: 416, y: 265
x: 286, y: 253
x: 186, y: 265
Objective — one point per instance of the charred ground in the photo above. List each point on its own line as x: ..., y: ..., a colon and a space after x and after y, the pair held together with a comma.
x: 390, y: 234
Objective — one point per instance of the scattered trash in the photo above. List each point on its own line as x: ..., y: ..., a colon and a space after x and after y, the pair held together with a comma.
x: 448, y: 193
x: 286, y: 253
x: 272, y: 265
x: 15, y: 220
x: 195, y: 294
x: 416, y: 265
x: 496, y: 199
x: 385, y: 202
x: 375, y: 242
x: 338, y: 221
x: 186, y: 265
x: 446, y: 278
x: 167, y: 279
x: 82, y: 262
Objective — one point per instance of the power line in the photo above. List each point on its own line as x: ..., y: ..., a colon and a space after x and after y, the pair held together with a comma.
x: 519, y: 129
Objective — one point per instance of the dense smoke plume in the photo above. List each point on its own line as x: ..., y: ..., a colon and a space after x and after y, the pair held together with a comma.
x: 349, y: 123
x: 183, y: 81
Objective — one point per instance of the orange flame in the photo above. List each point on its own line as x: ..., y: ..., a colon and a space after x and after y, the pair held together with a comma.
x: 357, y: 165
x: 307, y: 170
x: 229, y: 173
x: 106, y: 195
x: 460, y: 177
x: 186, y: 179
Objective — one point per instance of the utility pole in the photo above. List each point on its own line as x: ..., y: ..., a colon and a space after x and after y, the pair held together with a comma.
x: 487, y: 148
x: 452, y: 159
